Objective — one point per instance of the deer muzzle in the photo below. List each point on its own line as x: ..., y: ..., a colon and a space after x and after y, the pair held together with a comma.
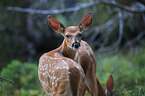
x: 76, y: 45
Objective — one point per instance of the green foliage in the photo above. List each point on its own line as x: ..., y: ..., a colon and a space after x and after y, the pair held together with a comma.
x: 139, y: 57
x: 25, y: 77
x: 128, y: 76
x: 128, y: 72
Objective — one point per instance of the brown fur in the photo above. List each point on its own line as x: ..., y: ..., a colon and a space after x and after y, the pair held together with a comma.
x: 68, y: 71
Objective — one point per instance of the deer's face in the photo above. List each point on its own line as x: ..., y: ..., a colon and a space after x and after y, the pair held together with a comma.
x: 110, y: 86
x: 108, y: 93
x: 72, y: 36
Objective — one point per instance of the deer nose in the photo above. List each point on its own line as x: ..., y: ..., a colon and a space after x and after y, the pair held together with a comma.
x: 76, y: 45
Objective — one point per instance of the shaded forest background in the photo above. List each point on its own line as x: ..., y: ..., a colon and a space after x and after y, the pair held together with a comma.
x: 117, y: 37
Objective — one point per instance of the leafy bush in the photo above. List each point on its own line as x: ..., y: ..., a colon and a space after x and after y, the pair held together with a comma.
x: 128, y: 72
x: 138, y: 57
x: 25, y: 77
x: 128, y: 75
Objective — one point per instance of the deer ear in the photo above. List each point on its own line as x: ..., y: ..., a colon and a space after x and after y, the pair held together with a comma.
x: 86, y: 22
x: 110, y: 84
x: 55, y: 25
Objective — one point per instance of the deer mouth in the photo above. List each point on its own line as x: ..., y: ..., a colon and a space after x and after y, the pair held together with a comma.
x: 76, y: 45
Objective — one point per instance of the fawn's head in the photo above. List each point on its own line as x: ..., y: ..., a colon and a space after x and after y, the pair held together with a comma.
x: 72, y: 34
x: 110, y: 86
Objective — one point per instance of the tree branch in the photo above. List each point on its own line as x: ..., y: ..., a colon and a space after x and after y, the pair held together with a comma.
x: 124, y: 7
x: 120, y: 28
x: 6, y: 79
x: 79, y: 7
x: 130, y: 42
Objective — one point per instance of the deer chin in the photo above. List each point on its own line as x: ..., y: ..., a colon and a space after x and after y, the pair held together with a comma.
x: 75, y: 49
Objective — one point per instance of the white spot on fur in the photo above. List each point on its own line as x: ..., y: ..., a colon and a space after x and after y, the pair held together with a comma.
x: 54, y: 93
x: 52, y: 83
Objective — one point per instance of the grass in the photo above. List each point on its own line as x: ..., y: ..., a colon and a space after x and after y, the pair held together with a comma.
x: 128, y: 72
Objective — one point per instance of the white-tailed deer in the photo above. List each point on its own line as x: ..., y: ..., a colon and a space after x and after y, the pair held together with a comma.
x: 110, y: 86
x: 69, y: 70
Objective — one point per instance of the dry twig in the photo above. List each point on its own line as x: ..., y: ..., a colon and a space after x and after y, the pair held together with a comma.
x: 79, y: 7
x: 6, y: 79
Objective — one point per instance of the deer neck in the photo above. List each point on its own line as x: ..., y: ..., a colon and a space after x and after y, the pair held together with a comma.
x: 67, y: 51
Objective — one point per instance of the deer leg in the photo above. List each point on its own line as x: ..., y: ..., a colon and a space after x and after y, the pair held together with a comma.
x: 91, y: 83
x: 101, y: 89
x: 46, y: 94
